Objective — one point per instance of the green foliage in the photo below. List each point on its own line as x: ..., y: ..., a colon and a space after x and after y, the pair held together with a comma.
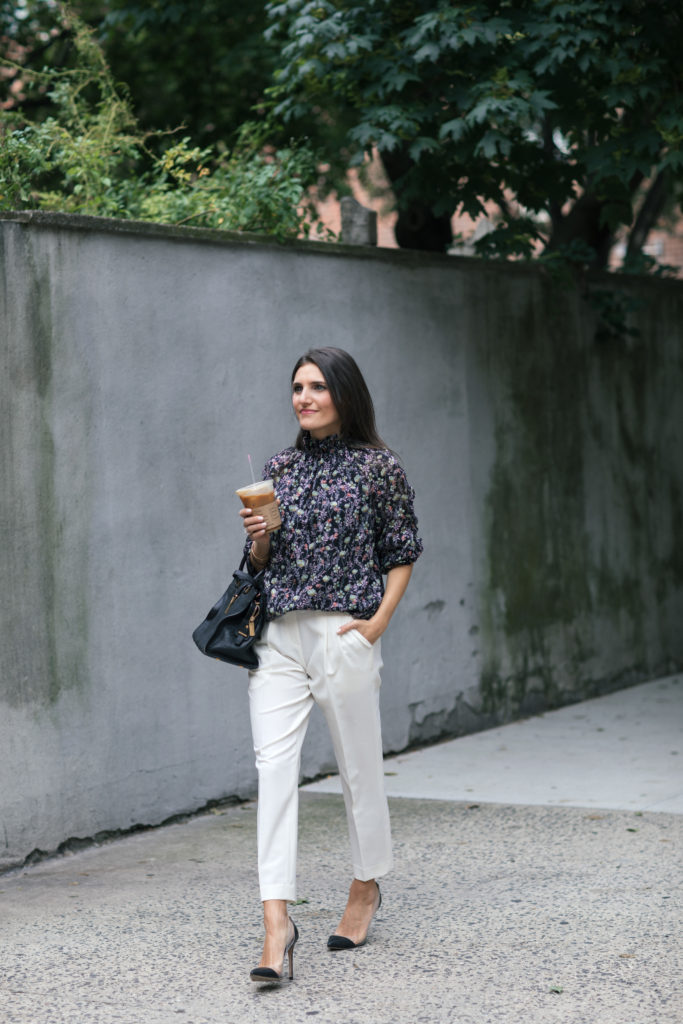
x: 565, y: 120
x: 70, y: 159
x: 90, y: 156
x: 250, y: 190
x: 559, y: 114
x: 201, y: 65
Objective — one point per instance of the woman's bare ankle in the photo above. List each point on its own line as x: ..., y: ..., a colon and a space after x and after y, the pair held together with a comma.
x: 275, y: 913
x: 363, y: 892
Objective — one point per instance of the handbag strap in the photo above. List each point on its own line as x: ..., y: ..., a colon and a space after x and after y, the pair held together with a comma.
x: 256, y: 576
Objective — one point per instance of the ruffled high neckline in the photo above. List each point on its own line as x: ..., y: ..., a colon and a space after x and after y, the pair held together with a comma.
x: 323, y: 444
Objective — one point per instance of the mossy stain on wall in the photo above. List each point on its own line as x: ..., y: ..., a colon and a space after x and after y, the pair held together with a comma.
x: 47, y: 641
x: 569, y: 529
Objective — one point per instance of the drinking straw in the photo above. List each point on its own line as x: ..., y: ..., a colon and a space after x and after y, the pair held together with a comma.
x: 253, y: 478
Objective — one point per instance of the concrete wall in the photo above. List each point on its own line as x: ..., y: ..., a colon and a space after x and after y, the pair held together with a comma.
x: 141, y: 365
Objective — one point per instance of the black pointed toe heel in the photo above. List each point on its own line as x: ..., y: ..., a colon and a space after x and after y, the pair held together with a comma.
x: 339, y: 942
x: 267, y: 974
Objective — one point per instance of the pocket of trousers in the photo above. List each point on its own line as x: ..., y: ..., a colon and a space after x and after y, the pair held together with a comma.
x: 347, y: 648
x: 359, y: 636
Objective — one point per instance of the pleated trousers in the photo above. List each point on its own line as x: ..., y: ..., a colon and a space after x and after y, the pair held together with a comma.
x: 302, y: 661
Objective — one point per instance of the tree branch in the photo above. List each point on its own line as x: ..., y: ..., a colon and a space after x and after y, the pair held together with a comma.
x: 649, y: 212
x: 505, y: 208
x: 550, y: 150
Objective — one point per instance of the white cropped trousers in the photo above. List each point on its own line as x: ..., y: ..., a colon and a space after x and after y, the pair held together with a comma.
x: 303, y: 660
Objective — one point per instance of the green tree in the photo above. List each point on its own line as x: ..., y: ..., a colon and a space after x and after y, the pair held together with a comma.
x: 86, y: 153
x: 201, y: 65
x: 567, y: 116
x: 34, y: 35
x: 204, y: 65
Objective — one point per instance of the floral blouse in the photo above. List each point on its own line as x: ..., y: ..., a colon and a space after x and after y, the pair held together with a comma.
x: 347, y: 518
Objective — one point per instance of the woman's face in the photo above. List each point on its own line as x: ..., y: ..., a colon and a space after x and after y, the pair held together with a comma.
x: 313, y: 405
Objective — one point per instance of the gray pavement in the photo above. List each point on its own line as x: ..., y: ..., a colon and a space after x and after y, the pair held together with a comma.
x: 537, y: 880
x: 623, y: 751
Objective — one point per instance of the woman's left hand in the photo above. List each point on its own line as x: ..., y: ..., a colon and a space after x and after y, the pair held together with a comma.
x: 369, y: 628
x: 372, y: 629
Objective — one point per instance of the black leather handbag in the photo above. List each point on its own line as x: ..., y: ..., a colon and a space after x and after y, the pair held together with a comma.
x: 234, y: 624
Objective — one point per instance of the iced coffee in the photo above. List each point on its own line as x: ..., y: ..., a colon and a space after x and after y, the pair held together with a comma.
x: 260, y: 498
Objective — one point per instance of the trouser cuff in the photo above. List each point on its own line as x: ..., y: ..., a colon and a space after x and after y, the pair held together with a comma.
x: 278, y: 892
x: 364, y: 874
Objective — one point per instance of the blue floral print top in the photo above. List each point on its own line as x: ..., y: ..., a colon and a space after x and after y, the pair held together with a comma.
x: 347, y: 518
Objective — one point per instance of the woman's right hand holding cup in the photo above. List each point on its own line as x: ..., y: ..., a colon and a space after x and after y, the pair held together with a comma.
x: 255, y: 525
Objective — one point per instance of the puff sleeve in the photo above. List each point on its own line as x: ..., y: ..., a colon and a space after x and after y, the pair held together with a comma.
x: 396, y: 538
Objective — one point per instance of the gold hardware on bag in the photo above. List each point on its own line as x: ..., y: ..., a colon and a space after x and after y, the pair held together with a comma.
x: 252, y: 620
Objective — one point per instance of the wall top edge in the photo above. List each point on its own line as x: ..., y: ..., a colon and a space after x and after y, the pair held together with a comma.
x: 243, y: 239
x: 85, y: 223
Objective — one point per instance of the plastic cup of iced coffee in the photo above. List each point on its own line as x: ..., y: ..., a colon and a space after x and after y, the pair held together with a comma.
x: 260, y: 498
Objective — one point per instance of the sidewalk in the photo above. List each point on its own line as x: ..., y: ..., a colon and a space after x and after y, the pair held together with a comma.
x: 537, y: 881
x: 623, y: 751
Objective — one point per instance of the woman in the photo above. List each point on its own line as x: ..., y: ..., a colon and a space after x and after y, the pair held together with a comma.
x: 347, y: 519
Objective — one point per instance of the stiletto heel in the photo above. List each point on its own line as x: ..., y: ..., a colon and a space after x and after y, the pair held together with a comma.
x: 337, y: 942
x: 267, y: 973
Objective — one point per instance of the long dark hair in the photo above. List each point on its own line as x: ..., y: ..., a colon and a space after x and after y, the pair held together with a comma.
x: 349, y: 393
